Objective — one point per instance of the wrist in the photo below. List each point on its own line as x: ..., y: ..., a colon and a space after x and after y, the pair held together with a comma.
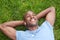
x: 23, y: 22
x: 0, y: 26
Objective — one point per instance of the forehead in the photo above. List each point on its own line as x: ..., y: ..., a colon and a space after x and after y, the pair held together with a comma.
x: 30, y: 13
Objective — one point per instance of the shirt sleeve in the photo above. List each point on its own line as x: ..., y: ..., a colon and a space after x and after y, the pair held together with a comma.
x: 47, y: 25
x: 18, y: 35
x: 46, y: 31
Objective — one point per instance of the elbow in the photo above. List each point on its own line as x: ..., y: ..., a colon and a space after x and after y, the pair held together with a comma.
x: 52, y: 8
x: 3, y: 25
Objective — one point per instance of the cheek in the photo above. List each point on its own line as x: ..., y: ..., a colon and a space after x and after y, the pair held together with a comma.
x: 28, y: 19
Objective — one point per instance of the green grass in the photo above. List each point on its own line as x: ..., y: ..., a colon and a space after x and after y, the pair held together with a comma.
x: 15, y: 9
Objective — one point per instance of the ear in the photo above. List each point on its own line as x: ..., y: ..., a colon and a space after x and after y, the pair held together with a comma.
x: 25, y: 23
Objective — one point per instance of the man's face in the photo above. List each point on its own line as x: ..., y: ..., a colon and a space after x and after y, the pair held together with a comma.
x: 30, y: 19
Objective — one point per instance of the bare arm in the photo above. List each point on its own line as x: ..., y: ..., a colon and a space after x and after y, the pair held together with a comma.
x: 49, y: 13
x: 13, y: 23
x: 8, y: 31
x: 7, y: 28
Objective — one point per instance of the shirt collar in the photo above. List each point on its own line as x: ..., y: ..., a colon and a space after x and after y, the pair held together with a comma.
x: 34, y: 31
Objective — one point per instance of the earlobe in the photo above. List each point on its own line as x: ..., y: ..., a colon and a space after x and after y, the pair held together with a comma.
x: 24, y: 23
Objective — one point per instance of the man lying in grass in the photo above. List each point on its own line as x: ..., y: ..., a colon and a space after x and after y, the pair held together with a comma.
x: 34, y: 32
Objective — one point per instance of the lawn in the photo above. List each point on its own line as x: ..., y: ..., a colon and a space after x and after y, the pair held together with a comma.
x: 15, y: 9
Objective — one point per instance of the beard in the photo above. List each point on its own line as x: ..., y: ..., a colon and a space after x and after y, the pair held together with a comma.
x: 31, y: 24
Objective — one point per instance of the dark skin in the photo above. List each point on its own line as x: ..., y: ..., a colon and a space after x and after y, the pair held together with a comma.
x: 8, y: 27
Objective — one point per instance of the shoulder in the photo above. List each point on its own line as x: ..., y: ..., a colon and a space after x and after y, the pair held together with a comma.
x: 46, y: 24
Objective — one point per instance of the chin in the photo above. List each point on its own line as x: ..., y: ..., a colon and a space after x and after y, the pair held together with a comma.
x: 34, y: 24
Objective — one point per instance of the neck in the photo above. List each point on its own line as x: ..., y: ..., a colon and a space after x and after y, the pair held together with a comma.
x: 33, y: 28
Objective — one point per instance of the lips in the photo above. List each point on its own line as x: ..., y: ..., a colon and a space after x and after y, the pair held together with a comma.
x: 33, y: 20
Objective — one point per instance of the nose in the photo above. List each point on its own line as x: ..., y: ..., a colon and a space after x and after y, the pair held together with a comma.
x: 32, y: 17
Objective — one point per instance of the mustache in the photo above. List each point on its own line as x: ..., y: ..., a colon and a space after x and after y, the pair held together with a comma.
x: 31, y: 25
